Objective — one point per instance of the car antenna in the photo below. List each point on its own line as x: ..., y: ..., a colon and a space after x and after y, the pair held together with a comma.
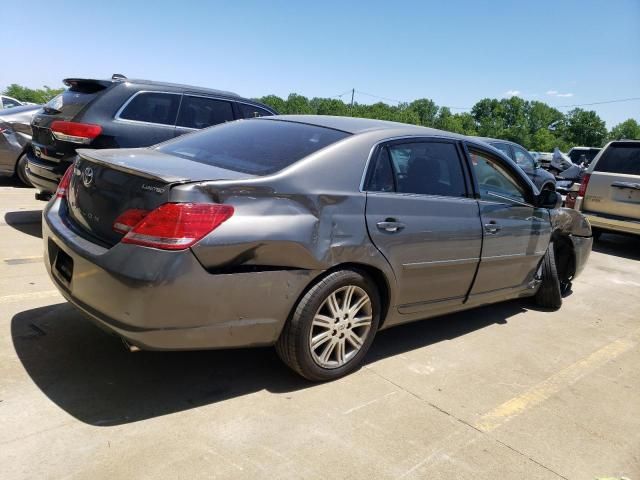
x: 118, y: 77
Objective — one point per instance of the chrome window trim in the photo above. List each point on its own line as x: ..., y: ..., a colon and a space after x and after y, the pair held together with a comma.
x: 117, y: 118
x: 402, y: 137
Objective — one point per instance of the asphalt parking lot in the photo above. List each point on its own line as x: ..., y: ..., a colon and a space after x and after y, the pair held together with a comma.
x: 505, y: 391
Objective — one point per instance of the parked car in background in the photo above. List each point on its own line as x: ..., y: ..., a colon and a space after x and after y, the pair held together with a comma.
x: 583, y: 155
x: 609, y: 195
x: 15, y: 140
x: 9, y: 102
x: 122, y: 113
x: 540, y: 177
x: 253, y: 239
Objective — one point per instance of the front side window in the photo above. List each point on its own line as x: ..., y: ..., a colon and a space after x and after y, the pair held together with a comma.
x: 423, y: 168
x: 495, y: 182
x: 251, y: 111
x: 153, y: 107
x: 201, y: 112
x: 523, y: 159
x: 256, y: 147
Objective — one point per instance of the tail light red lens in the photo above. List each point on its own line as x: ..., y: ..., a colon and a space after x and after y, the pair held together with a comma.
x: 583, y: 185
x: 75, y: 132
x: 176, y: 226
x: 63, y: 186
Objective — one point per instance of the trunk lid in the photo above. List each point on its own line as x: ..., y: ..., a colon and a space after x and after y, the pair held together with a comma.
x: 106, y: 183
x: 614, y: 185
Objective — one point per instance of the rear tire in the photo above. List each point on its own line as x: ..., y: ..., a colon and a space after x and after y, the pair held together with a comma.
x: 332, y: 327
x: 21, y: 170
x: 549, y: 294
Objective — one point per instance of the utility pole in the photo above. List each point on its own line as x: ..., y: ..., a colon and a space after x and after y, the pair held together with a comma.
x: 353, y: 92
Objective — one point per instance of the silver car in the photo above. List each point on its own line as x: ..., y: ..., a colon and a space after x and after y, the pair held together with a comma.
x: 309, y: 233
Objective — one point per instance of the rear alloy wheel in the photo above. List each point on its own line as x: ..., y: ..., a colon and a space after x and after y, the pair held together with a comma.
x: 21, y: 170
x: 549, y: 294
x: 332, y: 327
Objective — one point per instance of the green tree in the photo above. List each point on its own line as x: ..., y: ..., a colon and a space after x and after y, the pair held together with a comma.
x: 275, y: 102
x: 629, y: 130
x: 584, y: 127
x: 426, y: 111
x: 298, y: 105
x: 25, y: 94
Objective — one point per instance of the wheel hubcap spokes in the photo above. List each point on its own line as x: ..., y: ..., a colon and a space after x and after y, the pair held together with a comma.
x: 340, y: 326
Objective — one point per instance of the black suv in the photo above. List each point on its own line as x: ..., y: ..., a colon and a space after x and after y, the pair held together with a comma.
x: 121, y: 113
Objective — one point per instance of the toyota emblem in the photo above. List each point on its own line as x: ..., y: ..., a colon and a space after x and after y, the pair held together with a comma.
x: 87, y: 176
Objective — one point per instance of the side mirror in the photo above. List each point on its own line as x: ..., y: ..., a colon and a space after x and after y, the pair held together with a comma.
x: 549, y: 199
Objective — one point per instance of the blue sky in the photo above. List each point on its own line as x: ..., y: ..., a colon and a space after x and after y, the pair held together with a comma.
x: 455, y: 52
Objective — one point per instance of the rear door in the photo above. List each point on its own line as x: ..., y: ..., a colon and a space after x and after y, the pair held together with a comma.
x: 516, y: 233
x: 421, y: 217
x: 147, y: 118
x: 614, y: 185
x: 198, y: 112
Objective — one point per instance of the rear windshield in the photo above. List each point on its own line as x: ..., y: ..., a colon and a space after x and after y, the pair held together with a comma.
x: 69, y: 102
x: 624, y: 159
x: 257, y: 147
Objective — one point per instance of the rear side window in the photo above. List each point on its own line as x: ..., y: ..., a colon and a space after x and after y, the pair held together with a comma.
x: 9, y: 103
x: 273, y: 145
x: 201, y: 112
x: 152, y: 107
x: 423, y: 168
x: 624, y: 159
x: 251, y: 111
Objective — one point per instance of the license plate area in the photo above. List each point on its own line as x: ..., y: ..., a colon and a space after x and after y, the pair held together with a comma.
x: 63, y: 266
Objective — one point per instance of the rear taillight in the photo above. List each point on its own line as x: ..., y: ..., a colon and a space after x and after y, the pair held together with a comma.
x: 63, y: 186
x: 176, y: 226
x: 75, y: 132
x: 583, y: 185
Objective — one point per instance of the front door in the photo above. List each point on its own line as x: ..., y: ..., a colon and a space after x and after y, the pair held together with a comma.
x: 516, y: 233
x: 420, y: 216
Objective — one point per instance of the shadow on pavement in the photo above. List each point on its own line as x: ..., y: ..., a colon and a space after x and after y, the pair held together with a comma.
x: 25, y: 221
x: 619, y: 245
x: 12, y: 182
x: 90, y: 375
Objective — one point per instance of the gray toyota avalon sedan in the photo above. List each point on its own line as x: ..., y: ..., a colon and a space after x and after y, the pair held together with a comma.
x: 309, y: 233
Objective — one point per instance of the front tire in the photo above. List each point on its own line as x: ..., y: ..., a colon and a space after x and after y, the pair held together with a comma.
x: 549, y: 293
x: 21, y: 170
x: 332, y: 326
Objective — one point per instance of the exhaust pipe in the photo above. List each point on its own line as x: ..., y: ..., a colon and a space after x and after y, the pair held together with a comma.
x: 129, y: 347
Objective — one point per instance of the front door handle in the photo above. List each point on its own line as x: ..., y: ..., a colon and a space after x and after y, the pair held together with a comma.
x: 492, y: 227
x: 390, y: 225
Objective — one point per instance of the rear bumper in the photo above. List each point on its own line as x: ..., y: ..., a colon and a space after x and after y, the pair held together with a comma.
x: 43, y: 174
x: 612, y: 223
x: 163, y: 300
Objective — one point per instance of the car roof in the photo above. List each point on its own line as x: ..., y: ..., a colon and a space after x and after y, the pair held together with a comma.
x: 139, y: 81
x: 490, y: 140
x: 361, y: 125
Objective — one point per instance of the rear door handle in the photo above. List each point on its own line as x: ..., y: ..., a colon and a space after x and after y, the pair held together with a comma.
x: 390, y: 225
x: 492, y: 227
